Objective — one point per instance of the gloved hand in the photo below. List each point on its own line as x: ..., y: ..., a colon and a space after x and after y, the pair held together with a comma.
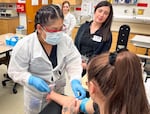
x: 39, y: 84
x: 78, y: 90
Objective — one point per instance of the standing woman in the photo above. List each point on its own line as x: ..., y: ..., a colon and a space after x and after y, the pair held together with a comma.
x: 95, y: 37
x: 40, y: 60
x: 69, y: 19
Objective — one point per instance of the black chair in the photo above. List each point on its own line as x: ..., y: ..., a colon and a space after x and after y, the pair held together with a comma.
x: 123, y: 36
x: 5, y: 60
x: 147, y: 69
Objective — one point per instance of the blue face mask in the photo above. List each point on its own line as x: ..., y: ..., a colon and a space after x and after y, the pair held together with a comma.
x: 53, y: 38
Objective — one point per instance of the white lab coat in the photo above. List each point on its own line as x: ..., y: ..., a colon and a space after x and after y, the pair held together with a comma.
x: 29, y: 58
x: 69, y: 22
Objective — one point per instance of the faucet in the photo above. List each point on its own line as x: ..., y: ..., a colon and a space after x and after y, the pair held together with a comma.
x: 134, y: 11
x: 125, y: 11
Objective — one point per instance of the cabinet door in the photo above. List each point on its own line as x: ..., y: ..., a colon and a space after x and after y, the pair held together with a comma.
x: 8, y: 1
x: 8, y: 25
x: 30, y: 14
x: 130, y: 46
x: 114, y: 41
x: 74, y: 32
x: 3, y: 26
x: 12, y: 27
x: 72, y: 2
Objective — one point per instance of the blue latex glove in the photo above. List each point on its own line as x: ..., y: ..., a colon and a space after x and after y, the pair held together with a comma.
x: 39, y: 84
x: 78, y: 90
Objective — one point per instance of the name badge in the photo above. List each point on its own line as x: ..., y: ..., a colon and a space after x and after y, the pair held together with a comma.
x: 97, y: 38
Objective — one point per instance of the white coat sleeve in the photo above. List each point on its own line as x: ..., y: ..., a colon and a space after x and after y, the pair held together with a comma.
x: 73, y: 62
x: 72, y: 23
x: 18, y: 65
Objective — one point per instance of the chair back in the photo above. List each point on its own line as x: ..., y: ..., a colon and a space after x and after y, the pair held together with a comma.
x: 123, y: 36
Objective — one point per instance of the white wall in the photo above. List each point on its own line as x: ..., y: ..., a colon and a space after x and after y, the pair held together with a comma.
x: 23, y: 20
x: 120, y: 9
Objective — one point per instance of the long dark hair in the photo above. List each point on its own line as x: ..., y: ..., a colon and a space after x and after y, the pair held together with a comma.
x: 121, y: 82
x: 65, y: 2
x: 47, y: 14
x: 107, y: 24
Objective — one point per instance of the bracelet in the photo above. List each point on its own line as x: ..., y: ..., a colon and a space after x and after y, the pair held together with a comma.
x: 65, y: 109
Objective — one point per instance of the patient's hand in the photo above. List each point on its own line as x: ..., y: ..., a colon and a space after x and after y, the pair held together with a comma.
x: 48, y: 97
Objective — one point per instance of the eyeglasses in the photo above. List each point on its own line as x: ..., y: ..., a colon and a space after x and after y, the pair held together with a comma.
x: 63, y: 28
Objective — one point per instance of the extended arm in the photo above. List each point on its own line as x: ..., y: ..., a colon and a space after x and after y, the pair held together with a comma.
x: 58, y: 98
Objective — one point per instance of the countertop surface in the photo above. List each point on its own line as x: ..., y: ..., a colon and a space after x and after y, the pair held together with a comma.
x: 2, y: 17
x: 132, y: 19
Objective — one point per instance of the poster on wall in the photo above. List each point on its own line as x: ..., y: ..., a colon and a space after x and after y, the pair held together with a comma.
x: 21, y: 1
x: 95, y: 2
x: 44, y: 2
x: 86, y: 7
x: 20, y: 7
x: 35, y: 2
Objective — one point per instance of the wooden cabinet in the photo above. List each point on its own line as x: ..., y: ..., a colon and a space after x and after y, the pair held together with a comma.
x: 114, y: 41
x: 130, y: 46
x: 72, y: 2
x: 8, y: 25
x: 8, y: 1
x: 74, y: 32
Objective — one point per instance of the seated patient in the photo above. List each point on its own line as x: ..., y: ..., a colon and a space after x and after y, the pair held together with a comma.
x: 115, y: 86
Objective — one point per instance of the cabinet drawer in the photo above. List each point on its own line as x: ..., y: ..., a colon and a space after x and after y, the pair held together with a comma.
x: 8, y: 1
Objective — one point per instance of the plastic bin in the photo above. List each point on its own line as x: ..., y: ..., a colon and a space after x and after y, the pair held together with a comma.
x: 12, y: 40
x: 8, y: 41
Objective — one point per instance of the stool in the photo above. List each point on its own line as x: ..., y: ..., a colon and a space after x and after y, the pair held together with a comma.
x: 148, y: 75
x: 147, y: 70
x: 5, y: 60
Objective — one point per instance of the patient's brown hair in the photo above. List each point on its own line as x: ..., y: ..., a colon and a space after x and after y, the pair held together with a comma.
x: 120, y: 81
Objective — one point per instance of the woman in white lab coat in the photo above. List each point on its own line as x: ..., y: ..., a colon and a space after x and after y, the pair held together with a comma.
x: 40, y: 60
x: 69, y: 19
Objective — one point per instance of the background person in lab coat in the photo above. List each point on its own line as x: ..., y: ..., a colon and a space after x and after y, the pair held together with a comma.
x: 95, y: 37
x: 41, y: 59
x: 115, y: 84
x: 69, y: 19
